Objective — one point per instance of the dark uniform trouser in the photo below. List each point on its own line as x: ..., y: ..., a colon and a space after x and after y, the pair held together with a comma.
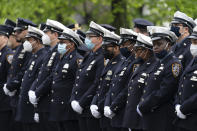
x: 5, y: 120
x: 89, y: 124
x: 31, y: 127
x: 114, y: 129
x: 137, y: 130
x: 15, y: 126
x: 45, y: 124
x: 181, y: 129
x: 70, y: 125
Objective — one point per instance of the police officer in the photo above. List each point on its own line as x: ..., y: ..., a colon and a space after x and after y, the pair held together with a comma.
x: 116, y: 96
x: 128, y: 39
x: 19, y: 62
x: 156, y: 103
x: 144, y: 55
x: 12, y: 43
x: 87, y: 78
x: 6, y: 56
x: 182, y: 25
x: 111, y: 51
x: 25, y: 110
x: 42, y: 85
x: 63, y: 80
x: 186, y: 96
x: 140, y: 25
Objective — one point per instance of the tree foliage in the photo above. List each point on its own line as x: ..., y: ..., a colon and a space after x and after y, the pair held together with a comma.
x: 119, y: 13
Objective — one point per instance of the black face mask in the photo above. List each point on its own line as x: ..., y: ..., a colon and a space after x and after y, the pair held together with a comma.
x: 125, y: 52
x: 176, y: 29
x: 108, y: 54
x: 161, y: 54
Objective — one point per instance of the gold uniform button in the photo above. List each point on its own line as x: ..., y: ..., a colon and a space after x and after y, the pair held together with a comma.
x: 52, y: 100
x: 180, y: 93
x: 76, y: 92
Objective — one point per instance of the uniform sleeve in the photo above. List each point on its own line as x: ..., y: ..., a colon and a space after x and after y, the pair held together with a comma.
x: 189, y: 105
x: 15, y: 82
x: 164, y: 94
x: 95, y: 100
x: 119, y: 101
x: 45, y: 87
x: 87, y: 97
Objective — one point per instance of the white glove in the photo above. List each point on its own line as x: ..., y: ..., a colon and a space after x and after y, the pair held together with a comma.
x: 36, y: 117
x: 76, y: 107
x: 179, y: 113
x: 138, y: 111
x: 32, y: 97
x: 7, y: 92
x: 108, y: 113
x: 94, y: 111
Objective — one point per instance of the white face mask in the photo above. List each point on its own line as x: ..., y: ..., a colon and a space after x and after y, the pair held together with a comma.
x: 193, y: 50
x: 46, y: 40
x: 27, y: 46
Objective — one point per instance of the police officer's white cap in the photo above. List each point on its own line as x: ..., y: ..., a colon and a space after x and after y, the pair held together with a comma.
x: 143, y: 41
x: 194, y: 34
x: 180, y: 17
x: 69, y: 34
x: 110, y: 37
x: 96, y: 29
x: 158, y: 32
x: 54, y: 26
x: 130, y: 32
x: 34, y: 32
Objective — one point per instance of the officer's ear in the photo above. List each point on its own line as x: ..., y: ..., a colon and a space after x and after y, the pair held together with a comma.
x: 56, y: 34
x: 100, y: 38
x: 186, y: 29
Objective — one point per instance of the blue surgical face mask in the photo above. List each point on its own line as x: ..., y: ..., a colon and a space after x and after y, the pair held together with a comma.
x: 176, y: 29
x: 89, y: 44
x: 61, y: 48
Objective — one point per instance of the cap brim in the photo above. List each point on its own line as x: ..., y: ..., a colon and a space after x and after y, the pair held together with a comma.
x: 18, y: 28
x: 90, y: 32
x: 192, y: 37
x: 31, y: 35
x: 156, y: 38
x: 64, y: 38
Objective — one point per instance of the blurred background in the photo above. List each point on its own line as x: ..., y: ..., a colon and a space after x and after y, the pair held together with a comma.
x: 118, y: 13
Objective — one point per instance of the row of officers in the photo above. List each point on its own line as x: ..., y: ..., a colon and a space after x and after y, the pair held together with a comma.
x: 57, y: 78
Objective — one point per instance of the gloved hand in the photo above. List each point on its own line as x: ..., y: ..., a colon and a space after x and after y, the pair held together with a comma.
x: 108, y: 113
x: 138, y: 111
x: 7, y: 92
x: 94, y: 111
x: 76, y: 107
x: 179, y: 113
x: 32, y: 97
x: 36, y: 117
